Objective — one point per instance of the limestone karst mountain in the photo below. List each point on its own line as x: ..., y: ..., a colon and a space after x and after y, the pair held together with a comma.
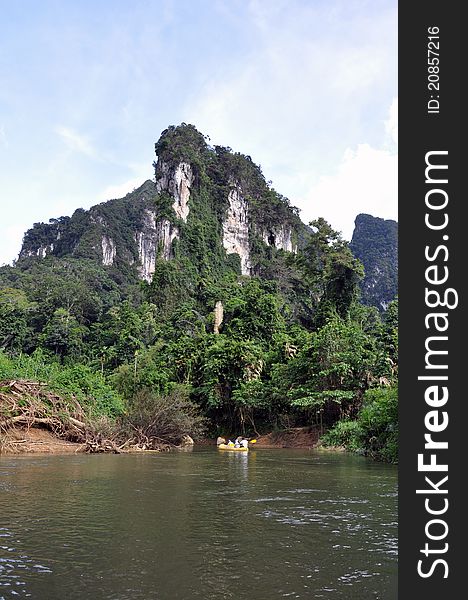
x: 375, y: 244
x: 215, y: 197
x: 209, y: 211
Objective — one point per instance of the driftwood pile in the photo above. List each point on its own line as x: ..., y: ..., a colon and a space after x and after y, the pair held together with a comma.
x: 25, y: 404
x: 29, y: 403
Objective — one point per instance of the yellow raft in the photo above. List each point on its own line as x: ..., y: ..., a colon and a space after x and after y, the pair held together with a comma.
x: 232, y: 448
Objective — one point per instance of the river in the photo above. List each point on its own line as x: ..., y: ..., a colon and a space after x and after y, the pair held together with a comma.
x: 266, y: 525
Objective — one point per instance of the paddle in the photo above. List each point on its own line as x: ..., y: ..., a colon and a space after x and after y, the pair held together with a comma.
x: 252, y: 441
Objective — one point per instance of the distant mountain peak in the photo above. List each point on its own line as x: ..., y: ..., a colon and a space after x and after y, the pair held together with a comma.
x: 375, y: 244
x: 201, y: 195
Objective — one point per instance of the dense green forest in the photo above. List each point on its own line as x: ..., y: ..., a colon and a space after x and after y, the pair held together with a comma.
x: 275, y: 338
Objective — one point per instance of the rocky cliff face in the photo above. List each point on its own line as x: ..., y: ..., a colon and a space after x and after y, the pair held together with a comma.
x: 154, y: 240
x: 375, y: 244
x: 109, y: 250
x: 40, y: 251
x: 212, y: 202
x: 280, y: 237
x: 236, y: 229
x: 177, y: 181
x: 156, y: 233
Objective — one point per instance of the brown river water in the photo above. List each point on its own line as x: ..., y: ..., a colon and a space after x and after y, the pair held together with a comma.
x: 266, y: 525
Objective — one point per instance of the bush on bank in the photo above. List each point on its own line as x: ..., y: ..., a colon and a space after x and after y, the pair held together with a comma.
x: 375, y: 431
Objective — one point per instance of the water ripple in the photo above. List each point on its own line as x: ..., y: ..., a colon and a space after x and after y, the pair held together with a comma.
x: 199, y: 526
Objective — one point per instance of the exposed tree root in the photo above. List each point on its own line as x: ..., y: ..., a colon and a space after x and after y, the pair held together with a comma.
x: 26, y: 404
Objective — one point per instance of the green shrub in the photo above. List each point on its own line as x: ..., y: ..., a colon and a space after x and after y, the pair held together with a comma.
x: 345, y: 433
x: 379, y: 420
x: 89, y: 387
x: 375, y: 431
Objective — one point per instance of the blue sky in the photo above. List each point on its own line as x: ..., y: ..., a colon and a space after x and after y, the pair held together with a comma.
x: 307, y: 88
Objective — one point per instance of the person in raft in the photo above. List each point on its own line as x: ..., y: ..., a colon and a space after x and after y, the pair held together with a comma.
x: 240, y: 441
x: 222, y: 441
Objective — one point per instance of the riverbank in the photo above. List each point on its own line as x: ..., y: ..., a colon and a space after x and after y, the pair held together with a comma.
x: 39, y: 440
x: 35, y: 419
x: 35, y: 441
x: 295, y: 437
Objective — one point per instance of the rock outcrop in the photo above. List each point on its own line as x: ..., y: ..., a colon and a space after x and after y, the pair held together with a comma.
x: 39, y: 251
x: 236, y: 229
x: 218, y: 316
x: 109, y: 250
x: 280, y: 237
x: 177, y: 181
x: 154, y: 240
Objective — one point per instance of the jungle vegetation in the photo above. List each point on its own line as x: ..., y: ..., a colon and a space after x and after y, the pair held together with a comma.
x: 296, y: 345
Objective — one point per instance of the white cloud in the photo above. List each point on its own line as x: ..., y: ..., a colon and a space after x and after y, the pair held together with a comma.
x: 366, y: 181
x: 391, y: 125
x: 119, y: 190
x: 302, y: 84
x: 10, y: 242
x: 3, y: 137
x: 76, y: 142
x: 141, y: 172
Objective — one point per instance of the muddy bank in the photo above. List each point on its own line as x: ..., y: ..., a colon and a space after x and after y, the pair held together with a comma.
x: 35, y: 440
x: 34, y: 418
x: 40, y: 440
x: 296, y: 437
